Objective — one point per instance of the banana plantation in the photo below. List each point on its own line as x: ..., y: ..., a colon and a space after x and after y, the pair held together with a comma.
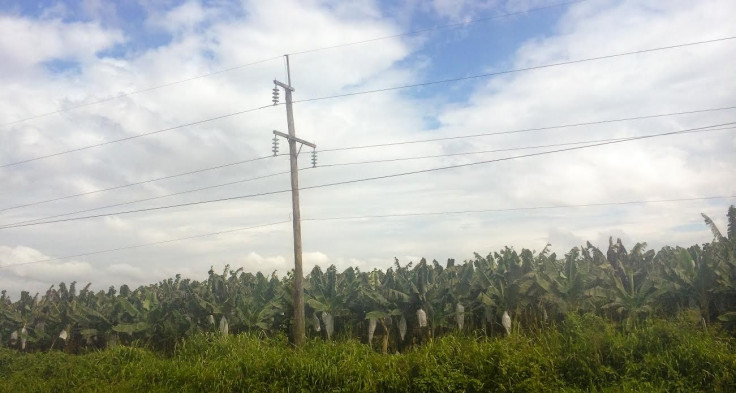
x: 408, y: 305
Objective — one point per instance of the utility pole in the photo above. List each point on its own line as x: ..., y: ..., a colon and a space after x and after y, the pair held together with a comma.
x: 299, y: 329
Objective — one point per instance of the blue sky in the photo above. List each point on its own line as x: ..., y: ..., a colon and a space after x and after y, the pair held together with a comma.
x: 58, y: 59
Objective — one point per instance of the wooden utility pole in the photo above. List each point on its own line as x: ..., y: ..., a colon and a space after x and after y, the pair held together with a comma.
x: 299, y: 329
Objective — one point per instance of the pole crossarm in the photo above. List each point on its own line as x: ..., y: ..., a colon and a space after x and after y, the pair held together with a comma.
x: 293, y: 138
x: 284, y: 85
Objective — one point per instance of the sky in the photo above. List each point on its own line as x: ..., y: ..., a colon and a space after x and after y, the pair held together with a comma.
x: 81, y: 73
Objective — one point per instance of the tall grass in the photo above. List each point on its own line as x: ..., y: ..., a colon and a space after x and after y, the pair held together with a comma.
x: 584, y: 353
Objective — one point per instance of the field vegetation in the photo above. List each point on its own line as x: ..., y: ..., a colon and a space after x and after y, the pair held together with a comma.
x: 620, y: 320
x: 583, y: 353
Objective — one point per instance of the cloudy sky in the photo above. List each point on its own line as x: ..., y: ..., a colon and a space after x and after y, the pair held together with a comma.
x: 80, y: 73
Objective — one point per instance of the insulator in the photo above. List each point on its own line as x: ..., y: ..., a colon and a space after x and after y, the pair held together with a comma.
x: 314, y: 158
x: 275, y: 96
x: 275, y: 148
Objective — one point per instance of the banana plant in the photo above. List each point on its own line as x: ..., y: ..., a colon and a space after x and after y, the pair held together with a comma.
x: 688, y: 275
x: 631, y: 298
x: 722, y: 254
x: 331, y: 294
x: 506, y: 283
x: 568, y: 283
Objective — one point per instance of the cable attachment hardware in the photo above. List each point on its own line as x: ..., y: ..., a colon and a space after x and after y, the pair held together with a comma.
x: 275, y: 147
x: 314, y: 158
x: 275, y: 95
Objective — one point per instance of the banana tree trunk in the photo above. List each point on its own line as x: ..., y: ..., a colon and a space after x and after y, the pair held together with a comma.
x: 371, y: 329
x: 384, y: 344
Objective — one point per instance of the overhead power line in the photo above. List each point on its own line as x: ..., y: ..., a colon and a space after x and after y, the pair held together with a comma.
x: 375, y: 91
x: 364, y: 217
x: 685, y: 131
x: 517, y: 208
x: 134, y: 136
x: 241, y: 66
x: 328, y: 166
x: 276, y: 174
x: 377, y: 146
x: 140, y: 182
x: 134, y: 92
x: 515, y: 70
x: 494, y: 150
x: 144, y: 244
x: 150, y: 198
x: 523, y: 130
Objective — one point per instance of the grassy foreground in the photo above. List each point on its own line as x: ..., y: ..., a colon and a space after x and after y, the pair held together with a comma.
x: 583, y: 354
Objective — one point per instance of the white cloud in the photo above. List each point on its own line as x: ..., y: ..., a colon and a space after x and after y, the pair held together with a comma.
x: 26, y: 43
x: 127, y: 272
x: 30, y: 270
x: 254, y: 262
x: 181, y: 19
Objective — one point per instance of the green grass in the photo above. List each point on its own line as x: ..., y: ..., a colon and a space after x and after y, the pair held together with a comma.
x: 583, y: 354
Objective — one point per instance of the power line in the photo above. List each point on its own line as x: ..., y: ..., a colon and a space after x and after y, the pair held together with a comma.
x: 271, y: 175
x: 133, y: 136
x: 146, y: 89
x: 486, y: 75
x: 395, y: 215
x: 373, y: 178
x: 523, y: 130
x: 140, y: 182
x: 597, y: 122
x: 494, y: 150
x: 237, y: 67
x: 376, y: 91
x: 148, y: 209
x: 143, y: 245
x: 332, y: 165
x: 518, y: 208
x: 148, y: 199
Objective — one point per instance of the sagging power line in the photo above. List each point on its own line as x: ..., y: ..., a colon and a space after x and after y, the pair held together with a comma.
x: 378, y: 216
x: 241, y: 181
x: 524, y: 130
x: 145, y: 244
x: 680, y: 132
x: 515, y: 70
x: 386, y: 89
x: 596, y: 122
x: 338, y: 164
x: 132, y: 137
x: 138, y: 183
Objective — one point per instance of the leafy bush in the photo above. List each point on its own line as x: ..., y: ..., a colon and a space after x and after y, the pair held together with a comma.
x: 586, y: 353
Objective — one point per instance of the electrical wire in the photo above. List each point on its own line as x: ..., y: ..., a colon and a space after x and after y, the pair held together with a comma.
x: 374, y: 91
x: 395, y: 215
x: 524, y: 130
x: 515, y: 70
x: 134, y: 136
x: 146, y: 89
x: 380, y: 145
x: 685, y: 131
x: 493, y: 151
x: 332, y: 165
x: 237, y: 67
x: 518, y: 208
x: 141, y: 182
x: 151, y: 198
x: 143, y: 245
